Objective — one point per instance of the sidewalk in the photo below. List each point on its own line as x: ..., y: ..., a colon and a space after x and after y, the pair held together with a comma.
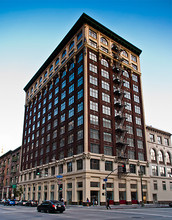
x: 134, y: 206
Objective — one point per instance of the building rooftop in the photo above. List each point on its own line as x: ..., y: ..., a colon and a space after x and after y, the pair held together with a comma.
x: 84, y: 19
x: 157, y: 130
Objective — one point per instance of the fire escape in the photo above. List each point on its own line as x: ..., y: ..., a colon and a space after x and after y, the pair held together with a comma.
x: 119, y: 105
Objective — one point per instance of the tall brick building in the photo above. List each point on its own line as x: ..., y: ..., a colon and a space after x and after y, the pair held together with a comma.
x: 84, y: 118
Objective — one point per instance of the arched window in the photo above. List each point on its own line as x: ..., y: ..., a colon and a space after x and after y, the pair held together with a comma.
x: 57, y: 61
x: 64, y: 54
x: 51, y: 68
x: 104, y: 62
x: 40, y: 80
x: 161, y: 156
x: 36, y: 85
x: 104, y: 41
x: 125, y: 73
x: 168, y: 157
x: 71, y: 45
x: 124, y: 53
x: 153, y: 154
x: 45, y: 75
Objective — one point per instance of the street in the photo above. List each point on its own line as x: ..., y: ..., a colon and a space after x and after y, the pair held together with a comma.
x: 85, y: 213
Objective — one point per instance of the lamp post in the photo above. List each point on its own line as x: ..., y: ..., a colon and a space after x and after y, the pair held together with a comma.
x: 141, y: 175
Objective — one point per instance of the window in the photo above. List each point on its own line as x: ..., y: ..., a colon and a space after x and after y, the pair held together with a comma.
x: 92, y: 34
x: 71, y: 112
x: 104, y: 63
x: 70, y: 139
x: 129, y: 129
x: 71, y: 88
x: 63, y: 117
x: 153, y: 154
x: 71, y: 77
x: 140, y: 144
x: 106, y: 123
x: 136, y: 98
x: 152, y: 138
x: 71, y: 45
x: 166, y: 141
x: 134, y: 78
x: 79, y: 149
x: 93, y: 80
x: 124, y: 53
x: 139, y: 132
x: 103, y: 41
x: 131, y: 154
x: 50, y: 96
x: 133, y: 58
x: 168, y: 157
x: 80, y: 135
x: 80, y: 57
x: 132, y: 168
x: 128, y: 106
x: 161, y: 156
x: 104, y: 49
x: 154, y: 170
x: 79, y: 164
x: 62, y: 130
x: 135, y: 88
x: 94, y: 164
x: 71, y: 100
x: 127, y: 95
x: 94, y: 148
x: 93, y: 68
x: 80, y: 81
x: 106, y: 110
x: 63, y: 54
x: 107, y: 137
x: 49, y: 106
x: 61, y: 168
x: 70, y: 125
x: 126, y: 84
x: 155, y: 185
x: 80, y: 94
x: 63, y: 74
x: 130, y: 142
x: 141, y: 156
x: 93, y: 56
x: 125, y: 73
x: 162, y: 171
x: 80, y: 106
x: 105, y: 97
x: 105, y: 73
x: 69, y: 167
x: 62, y: 142
x: 56, y: 80
x: 57, y: 61
x: 56, y: 90
x: 56, y: 100
x: 105, y: 85
x: 138, y: 121
x: 159, y: 139
x: 128, y: 117
x: 94, y: 119
x: 164, y: 185
x: 93, y: 93
x: 134, y: 66
x: 92, y: 43
x: 107, y: 150
x: 79, y: 35
x: 94, y: 134
x: 94, y: 106
x: 108, y: 165
x: 80, y: 120
x: 63, y: 84
x: 79, y: 45
x: 51, y: 68
x: 63, y: 106
x: 137, y: 109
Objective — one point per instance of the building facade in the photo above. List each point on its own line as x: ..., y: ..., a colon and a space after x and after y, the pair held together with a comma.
x: 84, y: 118
x: 9, y: 173
x: 160, y: 160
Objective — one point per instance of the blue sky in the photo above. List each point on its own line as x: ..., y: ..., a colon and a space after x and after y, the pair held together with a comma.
x: 30, y: 31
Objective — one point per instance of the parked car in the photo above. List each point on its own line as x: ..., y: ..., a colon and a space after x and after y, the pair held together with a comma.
x: 32, y: 203
x: 51, y: 206
x: 22, y: 202
x: 9, y: 202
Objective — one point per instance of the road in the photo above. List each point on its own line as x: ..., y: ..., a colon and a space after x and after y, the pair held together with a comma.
x: 85, y: 213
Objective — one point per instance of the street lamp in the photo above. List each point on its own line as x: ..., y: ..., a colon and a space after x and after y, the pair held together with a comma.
x: 141, y: 175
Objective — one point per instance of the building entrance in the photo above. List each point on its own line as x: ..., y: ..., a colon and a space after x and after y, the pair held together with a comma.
x: 95, y: 195
x: 80, y: 197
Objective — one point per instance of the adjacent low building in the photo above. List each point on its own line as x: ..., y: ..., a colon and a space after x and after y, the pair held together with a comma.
x: 9, y: 173
x: 160, y: 164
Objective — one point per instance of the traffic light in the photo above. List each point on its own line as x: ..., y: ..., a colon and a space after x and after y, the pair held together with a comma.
x: 124, y: 168
x: 37, y: 171
x: 60, y: 187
